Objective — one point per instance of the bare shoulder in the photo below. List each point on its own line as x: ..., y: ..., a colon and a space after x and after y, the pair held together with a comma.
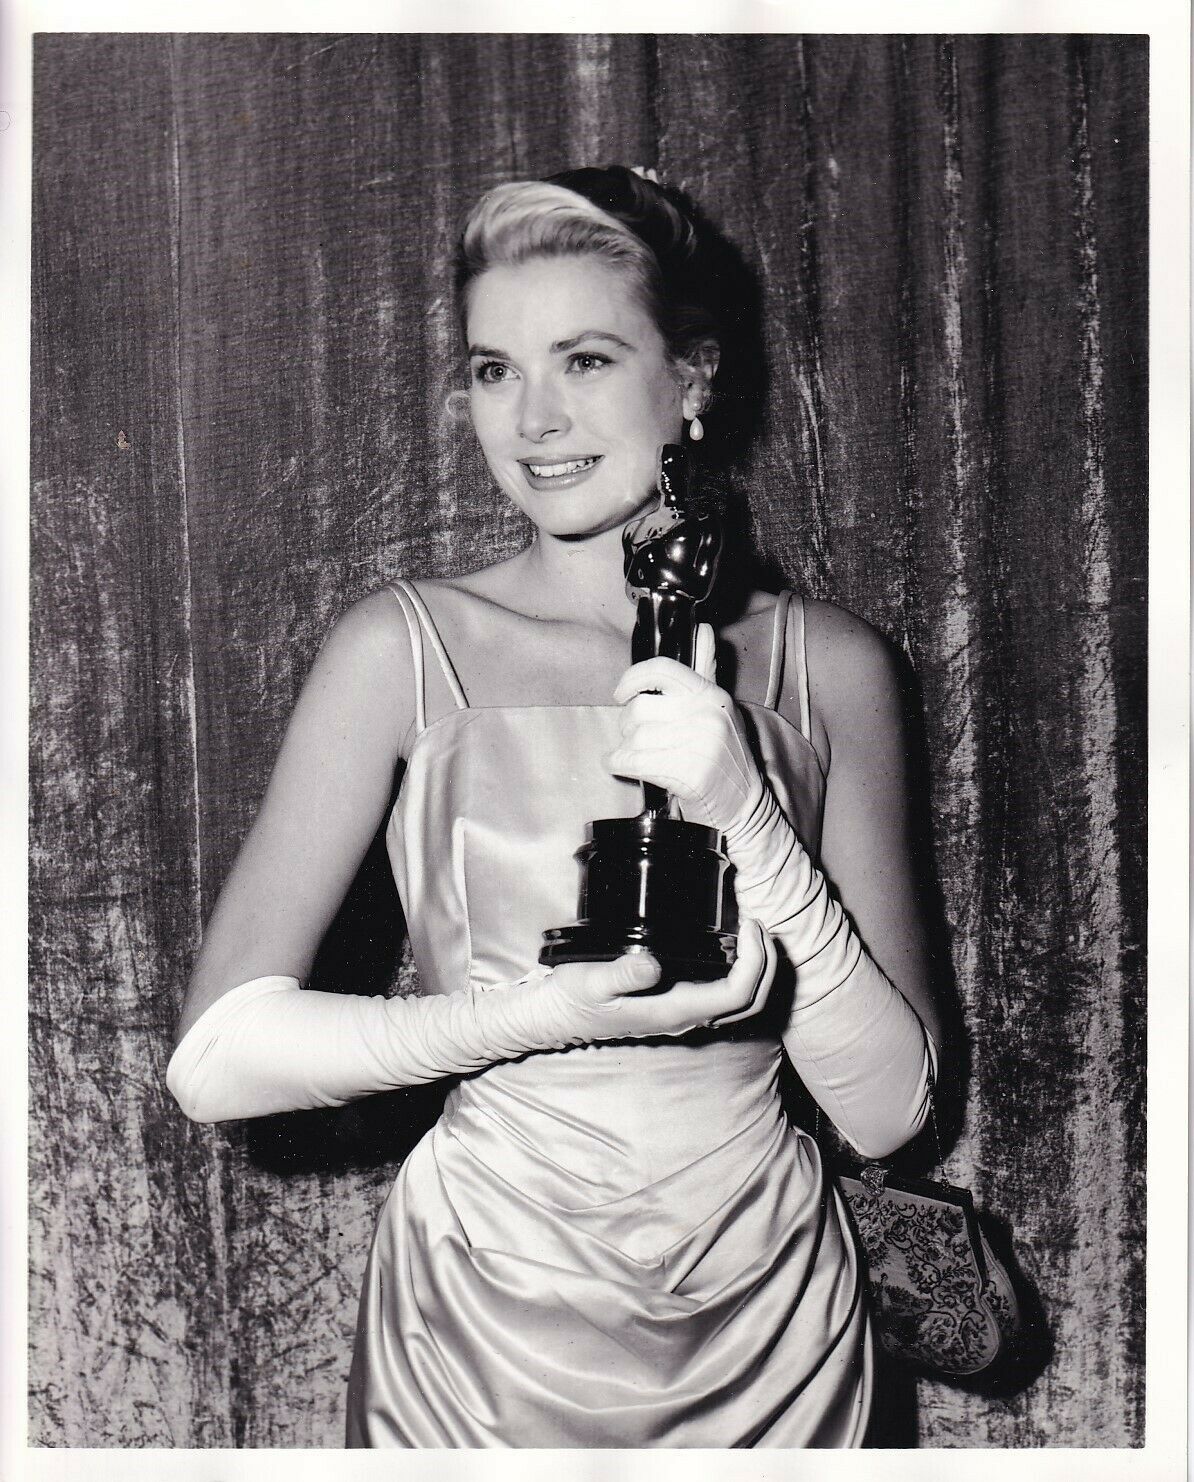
x: 842, y: 647
x: 371, y: 636
x: 366, y: 663
x: 854, y: 678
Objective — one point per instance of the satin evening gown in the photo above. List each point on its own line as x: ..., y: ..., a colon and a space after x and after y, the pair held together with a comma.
x: 621, y: 1245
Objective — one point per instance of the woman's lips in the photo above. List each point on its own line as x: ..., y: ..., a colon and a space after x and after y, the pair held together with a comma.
x: 546, y: 474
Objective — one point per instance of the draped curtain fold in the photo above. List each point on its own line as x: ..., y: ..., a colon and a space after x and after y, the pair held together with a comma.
x: 243, y: 342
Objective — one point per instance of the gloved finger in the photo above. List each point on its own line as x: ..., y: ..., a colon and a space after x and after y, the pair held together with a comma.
x: 645, y: 710
x: 652, y: 753
x: 665, y: 675
x: 695, y: 746
x: 704, y: 658
x: 705, y: 1005
x: 655, y: 767
x: 691, y: 741
x: 696, y: 754
x: 681, y: 714
x: 752, y: 940
x: 696, y: 735
x: 703, y: 760
x: 603, y: 983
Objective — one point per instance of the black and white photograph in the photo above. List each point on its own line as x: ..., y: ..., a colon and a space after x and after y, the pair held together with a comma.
x: 589, y: 659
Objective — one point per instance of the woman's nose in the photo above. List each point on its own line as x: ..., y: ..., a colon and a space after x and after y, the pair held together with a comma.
x: 541, y: 411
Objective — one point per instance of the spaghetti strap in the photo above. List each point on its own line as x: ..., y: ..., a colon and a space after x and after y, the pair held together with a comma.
x: 416, y: 652
x: 775, y: 670
x: 788, y: 647
x: 420, y: 623
x: 798, y: 645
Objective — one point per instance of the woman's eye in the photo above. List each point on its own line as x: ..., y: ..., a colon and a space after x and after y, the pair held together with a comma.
x: 588, y: 361
x: 491, y: 372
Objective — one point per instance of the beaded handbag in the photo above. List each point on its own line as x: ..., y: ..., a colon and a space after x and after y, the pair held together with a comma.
x: 940, y: 1298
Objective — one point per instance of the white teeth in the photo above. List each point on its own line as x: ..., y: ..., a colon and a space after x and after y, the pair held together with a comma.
x: 557, y: 470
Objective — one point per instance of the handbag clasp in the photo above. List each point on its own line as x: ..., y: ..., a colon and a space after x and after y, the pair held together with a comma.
x: 873, y: 1177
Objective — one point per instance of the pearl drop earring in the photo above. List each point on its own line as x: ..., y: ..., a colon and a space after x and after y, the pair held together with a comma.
x: 695, y: 430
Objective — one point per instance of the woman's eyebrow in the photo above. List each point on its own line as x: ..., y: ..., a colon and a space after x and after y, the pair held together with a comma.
x: 590, y: 334
x: 560, y: 345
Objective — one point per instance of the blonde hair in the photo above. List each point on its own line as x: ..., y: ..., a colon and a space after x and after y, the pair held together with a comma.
x: 645, y: 234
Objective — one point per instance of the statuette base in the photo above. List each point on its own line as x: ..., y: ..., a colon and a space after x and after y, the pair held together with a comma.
x: 649, y: 884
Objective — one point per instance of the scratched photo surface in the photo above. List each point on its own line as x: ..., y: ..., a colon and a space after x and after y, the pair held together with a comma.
x: 243, y: 338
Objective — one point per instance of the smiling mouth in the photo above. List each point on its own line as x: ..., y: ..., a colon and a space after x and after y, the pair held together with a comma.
x: 560, y: 470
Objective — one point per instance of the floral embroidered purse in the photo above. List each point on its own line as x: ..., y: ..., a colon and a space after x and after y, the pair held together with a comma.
x: 940, y: 1298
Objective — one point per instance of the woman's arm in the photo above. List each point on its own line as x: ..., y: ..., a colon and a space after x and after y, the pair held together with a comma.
x: 329, y: 788
x: 859, y: 1045
x: 865, y: 848
x: 268, y: 1046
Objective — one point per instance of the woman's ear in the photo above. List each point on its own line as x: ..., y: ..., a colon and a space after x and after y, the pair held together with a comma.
x: 457, y: 408
x: 697, y: 370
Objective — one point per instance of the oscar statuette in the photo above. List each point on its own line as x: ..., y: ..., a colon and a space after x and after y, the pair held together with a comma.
x: 653, y: 882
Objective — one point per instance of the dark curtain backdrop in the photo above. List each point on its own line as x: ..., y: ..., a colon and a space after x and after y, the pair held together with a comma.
x: 243, y: 339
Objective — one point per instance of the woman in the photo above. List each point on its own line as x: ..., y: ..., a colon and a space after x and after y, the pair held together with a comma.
x: 613, y: 1236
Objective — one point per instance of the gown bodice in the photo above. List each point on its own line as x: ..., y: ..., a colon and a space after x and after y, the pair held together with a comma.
x: 493, y: 807
x: 483, y: 837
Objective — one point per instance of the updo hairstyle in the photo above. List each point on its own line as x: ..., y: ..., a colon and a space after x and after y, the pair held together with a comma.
x: 641, y: 228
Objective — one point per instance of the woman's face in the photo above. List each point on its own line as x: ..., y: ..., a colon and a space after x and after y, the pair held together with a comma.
x: 572, y: 391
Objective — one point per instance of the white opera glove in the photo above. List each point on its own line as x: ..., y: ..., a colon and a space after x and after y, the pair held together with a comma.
x: 683, y: 733
x: 270, y: 1046
x: 857, y: 1043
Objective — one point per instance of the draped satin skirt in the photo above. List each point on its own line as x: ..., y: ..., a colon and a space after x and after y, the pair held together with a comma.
x: 618, y: 1246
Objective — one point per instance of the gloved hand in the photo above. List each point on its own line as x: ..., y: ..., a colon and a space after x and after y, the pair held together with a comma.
x: 268, y: 1046
x: 683, y: 733
x: 689, y: 738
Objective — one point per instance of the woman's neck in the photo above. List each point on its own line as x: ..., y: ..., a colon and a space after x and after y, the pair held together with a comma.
x: 581, y: 580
